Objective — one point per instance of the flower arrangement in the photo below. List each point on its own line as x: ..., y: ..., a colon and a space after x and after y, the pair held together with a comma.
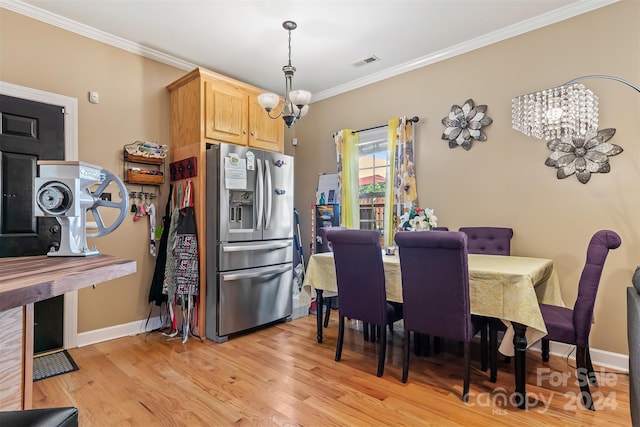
x: 418, y: 219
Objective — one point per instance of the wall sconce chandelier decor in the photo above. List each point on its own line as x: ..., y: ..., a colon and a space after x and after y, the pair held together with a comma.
x: 464, y: 124
x: 567, y: 117
x: 296, y: 102
x: 568, y: 110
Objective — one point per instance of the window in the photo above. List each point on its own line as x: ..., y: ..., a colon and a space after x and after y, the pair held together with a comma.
x: 373, y: 171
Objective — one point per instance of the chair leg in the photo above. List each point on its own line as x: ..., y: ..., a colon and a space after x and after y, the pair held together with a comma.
x: 383, y: 349
x: 545, y: 350
x: 365, y: 330
x: 328, y: 313
x: 372, y: 332
x: 484, y: 344
x: 340, y: 337
x: 493, y: 353
x: 467, y: 369
x: 426, y: 345
x: 592, y: 375
x: 436, y: 345
x: 405, y: 359
x: 417, y: 343
x: 581, y: 363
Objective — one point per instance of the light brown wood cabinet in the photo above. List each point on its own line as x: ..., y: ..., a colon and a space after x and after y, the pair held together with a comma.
x: 207, y: 107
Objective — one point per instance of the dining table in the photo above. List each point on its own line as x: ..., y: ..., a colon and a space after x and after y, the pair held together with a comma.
x: 508, y: 288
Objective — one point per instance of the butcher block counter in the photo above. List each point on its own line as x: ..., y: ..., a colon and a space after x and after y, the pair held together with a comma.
x: 24, y: 281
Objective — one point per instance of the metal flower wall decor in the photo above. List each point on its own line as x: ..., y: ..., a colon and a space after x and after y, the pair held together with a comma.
x: 582, y: 155
x: 464, y: 124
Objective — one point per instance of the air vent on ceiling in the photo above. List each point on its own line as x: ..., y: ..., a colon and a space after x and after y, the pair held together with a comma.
x: 366, y: 61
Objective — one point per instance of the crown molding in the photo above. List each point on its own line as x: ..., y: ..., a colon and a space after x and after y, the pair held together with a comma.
x: 93, y: 33
x: 540, y: 21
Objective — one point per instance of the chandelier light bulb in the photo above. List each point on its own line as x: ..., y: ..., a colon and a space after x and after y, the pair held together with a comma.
x: 300, y: 97
x: 268, y: 100
x: 300, y: 113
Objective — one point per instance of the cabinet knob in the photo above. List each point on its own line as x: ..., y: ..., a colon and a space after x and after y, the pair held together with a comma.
x: 253, y: 134
x: 244, y: 132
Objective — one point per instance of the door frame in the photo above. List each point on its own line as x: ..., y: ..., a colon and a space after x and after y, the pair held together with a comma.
x: 70, y: 106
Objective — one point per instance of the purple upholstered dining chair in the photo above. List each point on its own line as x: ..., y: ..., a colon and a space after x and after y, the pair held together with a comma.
x: 489, y: 241
x: 435, y: 291
x: 573, y: 326
x: 325, y: 246
x: 361, y: 284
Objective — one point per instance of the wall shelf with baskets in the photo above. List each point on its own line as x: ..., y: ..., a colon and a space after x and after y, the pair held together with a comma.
x: 143, y: 170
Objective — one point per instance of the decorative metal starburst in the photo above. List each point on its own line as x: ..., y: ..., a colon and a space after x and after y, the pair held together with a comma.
x: 464, y: 124
x: 582, y: 155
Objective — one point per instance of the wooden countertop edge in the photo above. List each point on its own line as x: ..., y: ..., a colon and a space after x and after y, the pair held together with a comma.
x: 26, y: 280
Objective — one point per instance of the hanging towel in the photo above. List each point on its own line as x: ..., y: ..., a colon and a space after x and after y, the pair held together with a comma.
x: 155, y: 292
x: 169, y: 283
x: 152, y: 229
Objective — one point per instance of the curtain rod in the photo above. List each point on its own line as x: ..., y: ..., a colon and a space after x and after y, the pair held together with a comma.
x: 414, y: 119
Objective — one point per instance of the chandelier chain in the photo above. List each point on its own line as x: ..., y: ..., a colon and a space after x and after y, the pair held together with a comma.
x: 289, y: 48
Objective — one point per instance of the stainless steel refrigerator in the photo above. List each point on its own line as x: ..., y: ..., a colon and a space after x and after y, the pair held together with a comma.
x: 249, y: 198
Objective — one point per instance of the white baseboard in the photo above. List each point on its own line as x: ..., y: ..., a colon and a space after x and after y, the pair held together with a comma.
x: 603, y: 358
x: 118, y: 331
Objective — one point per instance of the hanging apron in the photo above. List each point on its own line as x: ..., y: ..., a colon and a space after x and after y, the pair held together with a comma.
x: 187, y: 266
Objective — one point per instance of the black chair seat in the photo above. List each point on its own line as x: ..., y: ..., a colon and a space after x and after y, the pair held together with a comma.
x: 49, y: 417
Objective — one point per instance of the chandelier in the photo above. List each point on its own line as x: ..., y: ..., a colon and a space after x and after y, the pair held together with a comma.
x: 570, y: 110
x: 296, y: 102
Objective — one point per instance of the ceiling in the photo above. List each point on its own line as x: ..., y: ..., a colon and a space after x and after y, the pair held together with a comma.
x: 244, y: 39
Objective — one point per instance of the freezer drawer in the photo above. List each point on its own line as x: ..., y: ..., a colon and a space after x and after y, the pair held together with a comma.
x: 254, y: 297
x: 236, y: 256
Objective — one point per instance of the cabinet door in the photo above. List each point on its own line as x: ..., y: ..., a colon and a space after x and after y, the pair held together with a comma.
x: 225, y: 113
x: 265, y: 133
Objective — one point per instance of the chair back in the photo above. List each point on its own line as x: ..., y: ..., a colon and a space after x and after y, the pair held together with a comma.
x: 488, y: 240
x: 359, y: 274
x: 599, y: 246
x: 322, y: 238
x: 435, y: 283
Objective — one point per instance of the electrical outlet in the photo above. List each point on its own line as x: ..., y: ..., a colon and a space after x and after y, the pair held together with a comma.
x: 105, y: 196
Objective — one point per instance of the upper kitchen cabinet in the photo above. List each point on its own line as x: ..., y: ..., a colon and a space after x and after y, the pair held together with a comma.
x: 208, y: 107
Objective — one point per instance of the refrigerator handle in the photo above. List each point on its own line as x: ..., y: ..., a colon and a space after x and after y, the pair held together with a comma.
x: 262, y: 273
x: 260, y: 194
x: 267, y: 175
x: 260, y: 247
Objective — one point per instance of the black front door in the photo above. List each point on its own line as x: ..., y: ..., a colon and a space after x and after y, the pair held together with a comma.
x: 30, y: 131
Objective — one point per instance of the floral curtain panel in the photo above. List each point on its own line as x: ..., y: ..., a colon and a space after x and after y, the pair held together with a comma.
x: 347, y: 157
x: 403, y: 192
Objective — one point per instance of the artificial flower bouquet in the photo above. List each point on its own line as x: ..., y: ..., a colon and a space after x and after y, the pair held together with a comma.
x: 418, y: 219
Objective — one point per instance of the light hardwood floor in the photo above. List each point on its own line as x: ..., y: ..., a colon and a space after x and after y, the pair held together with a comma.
x: 281, y: 376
